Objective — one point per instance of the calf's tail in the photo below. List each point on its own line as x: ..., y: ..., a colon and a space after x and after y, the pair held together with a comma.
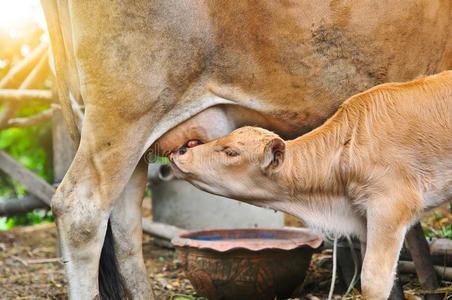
x: 111, y: 283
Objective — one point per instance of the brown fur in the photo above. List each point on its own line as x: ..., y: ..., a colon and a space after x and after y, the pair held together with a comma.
x: 371, y: 170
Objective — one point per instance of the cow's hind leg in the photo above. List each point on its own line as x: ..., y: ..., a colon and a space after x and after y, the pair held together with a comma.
x: 82, y: 213
x: 82, y: 205
x: 126, y: 224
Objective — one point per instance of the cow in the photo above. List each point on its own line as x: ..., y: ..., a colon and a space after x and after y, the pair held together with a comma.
x: 156, y: 74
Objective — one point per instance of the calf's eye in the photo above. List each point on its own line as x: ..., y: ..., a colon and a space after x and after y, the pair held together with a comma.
x: 231, y: 153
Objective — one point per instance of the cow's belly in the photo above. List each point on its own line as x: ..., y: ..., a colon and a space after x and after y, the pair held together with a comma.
x: 293, y: 68
x: 218, y: 121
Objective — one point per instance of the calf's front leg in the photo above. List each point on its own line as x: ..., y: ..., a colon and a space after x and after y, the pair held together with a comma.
x: 377, y: 276
x: 387, y: 223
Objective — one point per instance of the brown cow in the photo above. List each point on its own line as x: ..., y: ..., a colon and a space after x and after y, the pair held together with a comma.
x: 143, y: 67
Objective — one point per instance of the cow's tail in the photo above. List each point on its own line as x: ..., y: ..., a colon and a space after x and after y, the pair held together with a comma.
x: 54, y: 23
x: 111, y: 283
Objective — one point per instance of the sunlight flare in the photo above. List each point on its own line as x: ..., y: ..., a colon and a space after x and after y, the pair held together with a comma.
x: 16, y: 13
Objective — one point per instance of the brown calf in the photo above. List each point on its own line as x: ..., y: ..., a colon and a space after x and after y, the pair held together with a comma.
x: 370, y: 171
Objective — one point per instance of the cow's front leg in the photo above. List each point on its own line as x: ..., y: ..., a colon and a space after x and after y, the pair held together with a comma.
x: 127, y: 233
x: 387, y: 223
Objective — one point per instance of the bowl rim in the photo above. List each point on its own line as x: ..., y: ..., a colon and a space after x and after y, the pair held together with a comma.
x: 307, y: 239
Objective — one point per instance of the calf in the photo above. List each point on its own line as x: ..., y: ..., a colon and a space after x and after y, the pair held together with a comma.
x: 370, y: 171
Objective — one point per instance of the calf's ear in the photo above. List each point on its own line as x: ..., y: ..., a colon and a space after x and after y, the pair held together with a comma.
x: 273, y: 155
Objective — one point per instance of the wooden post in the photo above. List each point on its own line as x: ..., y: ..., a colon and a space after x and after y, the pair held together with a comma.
x: 161, y: 230
x: 23, y: 96
x: 20, y: 71
x: 12, y: 207
x: 16, y: 74
x: 442, y: 271
x: 420, y: 253
x: 34, y: 184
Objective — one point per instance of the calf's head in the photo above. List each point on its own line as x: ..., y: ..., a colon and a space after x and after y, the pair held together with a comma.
x: 242, y: 165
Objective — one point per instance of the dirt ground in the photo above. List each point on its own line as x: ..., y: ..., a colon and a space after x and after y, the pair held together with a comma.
x: 30, y: 269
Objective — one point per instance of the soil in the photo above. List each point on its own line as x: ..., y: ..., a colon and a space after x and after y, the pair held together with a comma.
x: 30, y: 269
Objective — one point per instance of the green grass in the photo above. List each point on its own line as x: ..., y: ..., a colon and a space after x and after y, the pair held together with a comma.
x: 30, y: 218
x: 442, y: 232
x: 436, y: 229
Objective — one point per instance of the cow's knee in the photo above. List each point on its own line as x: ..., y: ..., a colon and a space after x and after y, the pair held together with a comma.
x: 81, y: 223
x: 78, y: 218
